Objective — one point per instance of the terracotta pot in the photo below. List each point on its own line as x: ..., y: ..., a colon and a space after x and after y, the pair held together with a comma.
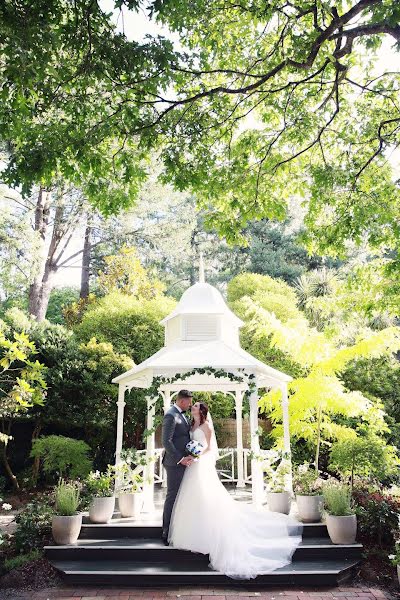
x: 342, y: 530
x: 310, y: 508
x: 279, y: 502
x: 66, y: 530
x: 130, y: 505
x: 101, y: 509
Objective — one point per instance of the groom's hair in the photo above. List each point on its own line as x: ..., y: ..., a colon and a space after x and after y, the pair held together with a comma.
x: 184, y: 394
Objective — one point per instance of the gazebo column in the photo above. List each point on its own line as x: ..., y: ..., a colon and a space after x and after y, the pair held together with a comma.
x: 167, y: 403
x: 257, y: 482
x: 239, y: 438
x: 120, y: 429
x: 286, y: 431
x: 148, y: 486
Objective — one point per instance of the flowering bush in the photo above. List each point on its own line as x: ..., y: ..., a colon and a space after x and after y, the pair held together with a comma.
x: 306, y: 481
x: 377, y: 516
x: 276, y: 477
x: 5, y: 505
x: 129, y: 480
x: 33, y: 525
x: 395, y: 558
x: 101, y: 485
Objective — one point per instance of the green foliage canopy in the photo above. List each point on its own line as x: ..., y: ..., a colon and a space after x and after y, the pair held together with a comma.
x: 263, y: 104
x: 130, y: 324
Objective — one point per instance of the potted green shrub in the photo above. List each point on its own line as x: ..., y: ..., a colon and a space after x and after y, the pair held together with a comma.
x: 341, y: 520
x: 130, y: 494
x: 66, y: 525
x: 101, y: 489
x: 307, y: 487
x: 278, y: 498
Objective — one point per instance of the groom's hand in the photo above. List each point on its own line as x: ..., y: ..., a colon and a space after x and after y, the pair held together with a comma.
x: 186, y: 461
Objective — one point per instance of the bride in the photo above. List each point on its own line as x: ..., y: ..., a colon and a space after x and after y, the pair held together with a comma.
x: 241, y: 541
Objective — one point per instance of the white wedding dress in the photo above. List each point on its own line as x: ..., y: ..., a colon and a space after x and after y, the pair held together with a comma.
x: 241, y: 541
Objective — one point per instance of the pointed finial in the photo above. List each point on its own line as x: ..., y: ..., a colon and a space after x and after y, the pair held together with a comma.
x: 201, y: 269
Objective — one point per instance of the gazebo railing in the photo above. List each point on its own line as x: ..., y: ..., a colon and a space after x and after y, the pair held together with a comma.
x: 226, y: 465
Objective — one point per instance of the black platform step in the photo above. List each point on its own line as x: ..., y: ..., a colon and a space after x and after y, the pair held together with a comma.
x: 154, y: 550
x: 116, y: 529
x: 129, y: 528
x: 143, y: 573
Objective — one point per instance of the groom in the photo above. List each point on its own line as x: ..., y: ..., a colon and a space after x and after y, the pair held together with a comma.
x: 175, y: 436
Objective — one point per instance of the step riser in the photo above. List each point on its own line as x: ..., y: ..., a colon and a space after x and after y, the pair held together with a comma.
x: 315, y: 530
x: 111, y: 531
x: 319, y: 580
x: 170, y: 555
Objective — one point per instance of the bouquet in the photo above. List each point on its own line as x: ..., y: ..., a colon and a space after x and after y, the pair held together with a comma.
x: 194, y: 448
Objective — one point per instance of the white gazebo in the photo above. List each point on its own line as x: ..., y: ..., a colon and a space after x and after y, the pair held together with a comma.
x: 203, y: 332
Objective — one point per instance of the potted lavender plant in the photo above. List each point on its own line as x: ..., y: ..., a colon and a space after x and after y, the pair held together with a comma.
x: 66, y: 525
x: 341, y: 520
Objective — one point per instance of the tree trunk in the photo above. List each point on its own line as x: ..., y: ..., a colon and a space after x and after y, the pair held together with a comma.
x: 85, y: 275
x: 7, y: 467
x: 42, y: 215
x: 42, y: 286
x: 45, y: 290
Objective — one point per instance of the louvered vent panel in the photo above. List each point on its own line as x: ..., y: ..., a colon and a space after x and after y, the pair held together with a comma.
x: 200, y: 328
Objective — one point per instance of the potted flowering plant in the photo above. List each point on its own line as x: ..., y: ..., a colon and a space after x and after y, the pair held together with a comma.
x: 395, y: 559
x: 341, y: 520
x: 101, y: 489
x: 278, y: 497
x: 130, y: 488
x: 307, y: 487
x: 66, y: 525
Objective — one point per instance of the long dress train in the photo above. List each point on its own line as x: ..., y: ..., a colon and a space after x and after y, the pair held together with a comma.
x: 241, y: 540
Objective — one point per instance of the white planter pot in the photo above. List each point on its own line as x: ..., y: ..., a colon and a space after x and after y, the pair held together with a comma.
x: 310, y: 508
x: 130, y: 505
x: 66, y: 530
x: 279, y: 502
x: 101, y: 509
x: 342, y: 530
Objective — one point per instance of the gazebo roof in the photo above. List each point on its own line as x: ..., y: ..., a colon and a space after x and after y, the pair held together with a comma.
x: 201, y: 332
x: 184, y: 356
x: 202, y: 299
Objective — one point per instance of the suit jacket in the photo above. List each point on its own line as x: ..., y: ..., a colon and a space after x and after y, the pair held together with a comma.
x: 175, y: 436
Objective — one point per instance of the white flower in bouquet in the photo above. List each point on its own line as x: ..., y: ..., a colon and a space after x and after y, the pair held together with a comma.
x: 303, y: 469
x: 194, y: 448
x: 6, y: 506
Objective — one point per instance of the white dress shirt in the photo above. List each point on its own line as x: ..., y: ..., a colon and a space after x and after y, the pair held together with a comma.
x: 181, y: 411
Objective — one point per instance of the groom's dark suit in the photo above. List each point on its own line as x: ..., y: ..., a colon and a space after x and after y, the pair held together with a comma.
x: 175, y: 436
